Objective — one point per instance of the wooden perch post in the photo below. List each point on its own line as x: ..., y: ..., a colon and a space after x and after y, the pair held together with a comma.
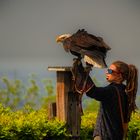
x: 67, y: 102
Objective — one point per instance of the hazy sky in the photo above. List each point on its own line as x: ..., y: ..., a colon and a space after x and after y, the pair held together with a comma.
x: 28, y: 29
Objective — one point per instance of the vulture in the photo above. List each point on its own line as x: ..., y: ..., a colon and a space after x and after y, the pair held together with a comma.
x: 87, y: 46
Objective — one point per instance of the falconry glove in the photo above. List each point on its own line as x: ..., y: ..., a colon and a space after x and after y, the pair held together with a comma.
x: 82, y: 81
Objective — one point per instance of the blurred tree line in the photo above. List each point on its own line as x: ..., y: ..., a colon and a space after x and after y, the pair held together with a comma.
x: 16, y: 94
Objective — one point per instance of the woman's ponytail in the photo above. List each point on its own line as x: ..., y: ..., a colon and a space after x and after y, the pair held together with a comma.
x: 131, y: 88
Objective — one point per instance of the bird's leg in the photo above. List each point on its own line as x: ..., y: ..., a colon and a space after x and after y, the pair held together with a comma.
x: 87, y: 71
x: 76, y: 63
x: 78, y: 59
x: 88, y: 67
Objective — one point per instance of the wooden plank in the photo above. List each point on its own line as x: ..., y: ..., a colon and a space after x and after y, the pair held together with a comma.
x: 60, y: 96
x: 57, y: 68
x: 51, y: 110
x: 74, y: 115
x: 63, y: 87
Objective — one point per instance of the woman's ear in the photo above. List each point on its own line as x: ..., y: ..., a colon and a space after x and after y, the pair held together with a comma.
x: 121, y: 77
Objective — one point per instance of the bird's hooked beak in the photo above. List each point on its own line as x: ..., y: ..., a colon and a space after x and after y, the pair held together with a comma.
x: 58, y: 39
x: 61, y: 38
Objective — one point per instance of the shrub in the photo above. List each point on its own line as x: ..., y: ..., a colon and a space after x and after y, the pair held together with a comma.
x: 87, y: 125
x: 29, y: 124
x: 134, y: 127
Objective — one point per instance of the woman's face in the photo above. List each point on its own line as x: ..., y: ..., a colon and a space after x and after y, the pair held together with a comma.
x: 112, y: 75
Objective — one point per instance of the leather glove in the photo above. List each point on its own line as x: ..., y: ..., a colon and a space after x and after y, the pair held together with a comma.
x: 82, y: 81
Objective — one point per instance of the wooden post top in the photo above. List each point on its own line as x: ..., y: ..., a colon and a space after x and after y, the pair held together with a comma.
x: 58, y: 68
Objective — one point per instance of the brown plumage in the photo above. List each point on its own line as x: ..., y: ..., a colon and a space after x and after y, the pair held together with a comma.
x: 84, y: 45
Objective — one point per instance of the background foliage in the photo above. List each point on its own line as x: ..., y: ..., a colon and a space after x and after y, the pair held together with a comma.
x: 16, y: 94
x: 21, y: 119
x: 30, y: 124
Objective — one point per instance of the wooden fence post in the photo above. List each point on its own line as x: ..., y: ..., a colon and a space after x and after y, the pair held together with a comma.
x: 51, y: 110
x: 67, y: 102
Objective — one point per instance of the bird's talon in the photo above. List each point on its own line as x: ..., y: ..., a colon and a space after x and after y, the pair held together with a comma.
x: 74, y: 59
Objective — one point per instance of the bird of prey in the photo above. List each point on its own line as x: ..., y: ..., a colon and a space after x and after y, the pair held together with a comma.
x: 84, y: 45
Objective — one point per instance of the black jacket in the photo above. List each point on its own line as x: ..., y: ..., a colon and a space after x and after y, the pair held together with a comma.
x: 109, y: 124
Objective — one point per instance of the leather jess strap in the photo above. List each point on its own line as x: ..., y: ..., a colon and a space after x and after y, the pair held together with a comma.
x: 124, y: 125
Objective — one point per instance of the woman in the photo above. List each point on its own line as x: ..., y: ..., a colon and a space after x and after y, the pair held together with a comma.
x: 109, y: 121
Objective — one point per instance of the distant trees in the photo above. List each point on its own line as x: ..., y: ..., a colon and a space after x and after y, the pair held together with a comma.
x: 11, y: 93
x: 16, y: 94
